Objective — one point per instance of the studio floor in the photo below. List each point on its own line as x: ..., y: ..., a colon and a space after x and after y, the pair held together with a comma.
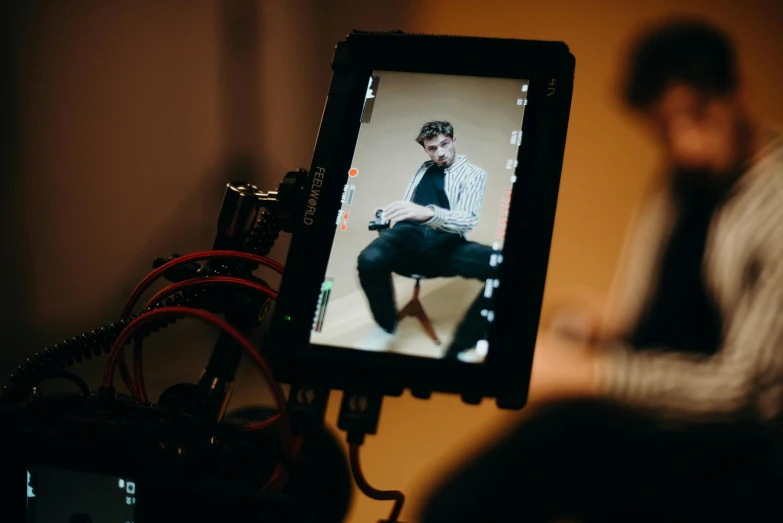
x: 348, y: 320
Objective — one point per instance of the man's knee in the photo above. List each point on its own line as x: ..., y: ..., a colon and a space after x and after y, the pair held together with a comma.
x: 373, y: 259
x: 474, y: 260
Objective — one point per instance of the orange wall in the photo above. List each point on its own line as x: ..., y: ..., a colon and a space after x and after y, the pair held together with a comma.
x: 127, y: 115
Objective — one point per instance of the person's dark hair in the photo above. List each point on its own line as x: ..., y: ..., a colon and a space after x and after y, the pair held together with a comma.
x: 687, y: 51
x: 433, y: 129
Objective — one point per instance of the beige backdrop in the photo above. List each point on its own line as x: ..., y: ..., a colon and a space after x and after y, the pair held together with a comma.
x: 484, y: 113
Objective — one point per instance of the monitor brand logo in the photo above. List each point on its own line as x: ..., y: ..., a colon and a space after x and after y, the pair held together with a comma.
x: 315, y: 192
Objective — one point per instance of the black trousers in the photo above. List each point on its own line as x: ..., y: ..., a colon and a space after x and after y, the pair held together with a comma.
x: 415, y: 249
x: 597, y: 462
x: 471, y: 328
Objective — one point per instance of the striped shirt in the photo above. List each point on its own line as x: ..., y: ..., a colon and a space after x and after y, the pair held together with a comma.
x: 743, y: 267
x: 464, y: 185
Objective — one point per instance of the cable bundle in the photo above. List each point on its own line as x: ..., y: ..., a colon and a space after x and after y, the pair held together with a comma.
x: 94, y: 343
x: 177, y: 301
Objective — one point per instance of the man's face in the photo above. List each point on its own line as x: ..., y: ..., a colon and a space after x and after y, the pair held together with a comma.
x: 699, y: 133
x: 440, y: 149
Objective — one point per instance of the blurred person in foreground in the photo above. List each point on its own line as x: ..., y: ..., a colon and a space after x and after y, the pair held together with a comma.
x: 668, y: 407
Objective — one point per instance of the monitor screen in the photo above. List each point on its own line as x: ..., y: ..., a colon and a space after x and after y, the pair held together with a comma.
x: 420, y: 233
x: 55, y: 494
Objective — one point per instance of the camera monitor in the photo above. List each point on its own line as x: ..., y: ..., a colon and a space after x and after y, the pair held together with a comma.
x: 59, y: 494
x: 421, y: 250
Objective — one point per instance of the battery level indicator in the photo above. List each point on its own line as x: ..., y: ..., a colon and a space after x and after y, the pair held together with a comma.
x: 323, y: 301
x: 345, y: 217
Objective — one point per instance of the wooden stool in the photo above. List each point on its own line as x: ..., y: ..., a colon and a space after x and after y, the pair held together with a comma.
x: 415, y: 309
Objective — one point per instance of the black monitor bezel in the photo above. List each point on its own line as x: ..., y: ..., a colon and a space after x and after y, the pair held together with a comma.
x: 505, y: 374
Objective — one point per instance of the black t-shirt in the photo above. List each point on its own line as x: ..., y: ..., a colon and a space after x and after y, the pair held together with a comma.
x: 682, y: 315
x: 431, y: 188
x: 420, y: 240
x: 429, y: 191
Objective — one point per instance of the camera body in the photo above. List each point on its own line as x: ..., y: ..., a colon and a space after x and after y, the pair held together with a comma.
x: 378, y: 224
x: 117, y: 460
x: 144, y: 463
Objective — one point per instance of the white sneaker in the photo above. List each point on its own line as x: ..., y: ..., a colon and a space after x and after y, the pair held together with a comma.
x: 378, y: 340
x: 470, y: 356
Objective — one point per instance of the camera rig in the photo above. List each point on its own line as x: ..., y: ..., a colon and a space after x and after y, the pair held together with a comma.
x: 185, y: 451
x: 188, y: 456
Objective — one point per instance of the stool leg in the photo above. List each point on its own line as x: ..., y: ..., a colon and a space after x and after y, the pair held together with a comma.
x: 415, y: 309
x: 411, y: 308
x: 425, y: 321
x: 408, y: 310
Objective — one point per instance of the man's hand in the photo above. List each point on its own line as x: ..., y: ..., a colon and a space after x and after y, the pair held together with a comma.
x: 400, y: 211
x: 563, y: 370
x: 576, y: 320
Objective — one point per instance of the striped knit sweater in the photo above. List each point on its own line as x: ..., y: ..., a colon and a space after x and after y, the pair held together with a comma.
x: 464, y: 185
x: 743, y: 263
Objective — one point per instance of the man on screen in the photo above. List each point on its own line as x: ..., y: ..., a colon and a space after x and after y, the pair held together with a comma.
x: 426, y: 234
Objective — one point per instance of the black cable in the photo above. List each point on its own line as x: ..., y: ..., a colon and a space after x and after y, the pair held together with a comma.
x: 62, y: 374
x: 371, y: 492
x: 259, y: 241
x: 264, y: 234
x: 99, y: 341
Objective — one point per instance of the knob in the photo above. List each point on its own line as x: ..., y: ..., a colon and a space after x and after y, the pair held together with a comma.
x: 290, y: 196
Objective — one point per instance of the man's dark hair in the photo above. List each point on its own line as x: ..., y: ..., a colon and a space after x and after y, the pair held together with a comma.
x: 687, y: 51
x: 433, y: 129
